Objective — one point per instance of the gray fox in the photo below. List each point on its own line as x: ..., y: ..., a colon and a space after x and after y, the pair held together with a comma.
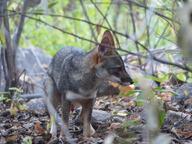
x: 75, y: 76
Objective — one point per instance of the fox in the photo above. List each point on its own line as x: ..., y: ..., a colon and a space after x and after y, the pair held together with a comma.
x: 75, y: 76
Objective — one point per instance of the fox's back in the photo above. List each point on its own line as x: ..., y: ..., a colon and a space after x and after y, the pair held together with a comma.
x: 66, y: 62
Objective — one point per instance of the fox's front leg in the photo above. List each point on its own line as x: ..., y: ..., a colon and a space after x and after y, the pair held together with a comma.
x: 86, y: 113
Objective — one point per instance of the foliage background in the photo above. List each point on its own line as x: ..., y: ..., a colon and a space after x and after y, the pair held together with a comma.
x: 153, y: 23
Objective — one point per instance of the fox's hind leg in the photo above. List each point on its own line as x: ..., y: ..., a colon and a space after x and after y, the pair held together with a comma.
x: 52, y: 103
x: 65, y: 109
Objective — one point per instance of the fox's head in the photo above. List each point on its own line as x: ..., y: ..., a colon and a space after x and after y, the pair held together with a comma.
x: 109, y: 64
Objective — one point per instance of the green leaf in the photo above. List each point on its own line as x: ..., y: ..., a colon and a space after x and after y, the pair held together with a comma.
x: 131, y: 93
x: 158, y: 88
x: 162, y: 115
x: 27, y: 140
x: 189, y: 80
x: 160, y: 79
x: 181, y: 77
x: 52, y: 4
x: 2, y: 36
x: 170, y: 58
x: 15, y: 89
x: 140, y: 101
x: 129, y: 123
x: 190, y: 74
x: 4, y: 98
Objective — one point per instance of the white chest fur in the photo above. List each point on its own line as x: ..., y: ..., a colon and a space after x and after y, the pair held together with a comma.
x: 71, y: 96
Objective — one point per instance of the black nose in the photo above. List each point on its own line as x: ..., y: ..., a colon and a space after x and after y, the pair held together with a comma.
x: 126, y: 80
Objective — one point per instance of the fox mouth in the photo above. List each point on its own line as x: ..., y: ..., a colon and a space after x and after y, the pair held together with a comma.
x: 118, y: 80
x: 124, y: 83
x: 121, y: 83
x: 106, y: 77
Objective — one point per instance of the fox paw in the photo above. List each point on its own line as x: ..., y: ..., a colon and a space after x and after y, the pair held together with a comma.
x: 54, y: 140
x: 92, y: 130
x: 89, y: 132
x: 63, y: 139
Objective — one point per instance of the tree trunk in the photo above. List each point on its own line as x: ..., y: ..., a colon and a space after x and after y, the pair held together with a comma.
x: 9, y: 51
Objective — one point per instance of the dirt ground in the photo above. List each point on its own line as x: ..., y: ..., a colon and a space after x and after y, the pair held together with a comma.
x: 126, y: 124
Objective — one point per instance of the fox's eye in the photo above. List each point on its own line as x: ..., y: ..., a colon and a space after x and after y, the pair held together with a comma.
x: 113, y: 70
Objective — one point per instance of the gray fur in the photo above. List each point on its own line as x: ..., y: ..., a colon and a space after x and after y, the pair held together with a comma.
x: 69, y: 72
x: 75, y: 76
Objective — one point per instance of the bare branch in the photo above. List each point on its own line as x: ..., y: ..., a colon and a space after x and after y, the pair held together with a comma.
x: 19, y: 29
x: 82, y: 20
x: 87, y: 17
x: 169, y: 20
x: 134, y: 30
x: 105, y: 18
x: 9, y: 50
x: 4, y: 65
x: 184, y: 67
x: 121, y: 2
x: 165, y: 29
x: 88, y: 40
x: 2, y: 2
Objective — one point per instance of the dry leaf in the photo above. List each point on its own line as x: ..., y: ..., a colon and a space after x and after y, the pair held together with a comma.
x: 123, y: 89
x: 165, y: 96
x: 184, y: 134
x: 188, y: 101
x: 114, y: 126
x: 122, y: 113
x: 11, y: 138
x: 38, y: 128
x: 126, y: 89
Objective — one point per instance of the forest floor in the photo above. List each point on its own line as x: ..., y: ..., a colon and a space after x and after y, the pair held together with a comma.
x: 116, y: 118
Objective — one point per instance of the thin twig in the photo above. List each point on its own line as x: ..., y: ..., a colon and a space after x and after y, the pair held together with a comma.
x: 157, y: 13
x: 184, y: 67
x: 88, y: 22
x: 105, y: 18
x: 120, y: 2
x: 1, y: 11
x: 121, y: 34
x: 147, y: 21
x: 134, y: 29
x: 165, y: 29
x: 87, y: 17
x: 88, y: 40
x: 19, y: 29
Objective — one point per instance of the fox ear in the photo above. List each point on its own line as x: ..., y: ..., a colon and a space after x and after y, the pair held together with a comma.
x: 107, y: 45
